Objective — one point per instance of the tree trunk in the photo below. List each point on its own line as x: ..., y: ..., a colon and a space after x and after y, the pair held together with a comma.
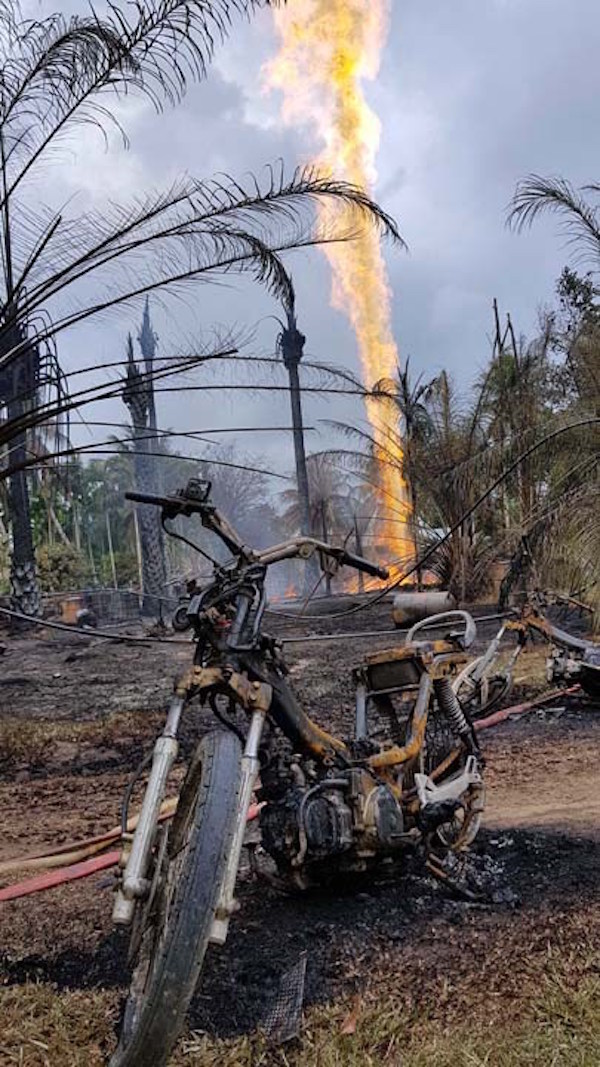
x: 20, y: 381
x: 359, y: 552
x: 25, y: 594
x: 292, y: 347
x: 325, y: 533
x: 151, y: 540
x: 136, y: 396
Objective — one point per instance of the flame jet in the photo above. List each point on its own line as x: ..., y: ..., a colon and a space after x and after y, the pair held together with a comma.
x: 327, y: 49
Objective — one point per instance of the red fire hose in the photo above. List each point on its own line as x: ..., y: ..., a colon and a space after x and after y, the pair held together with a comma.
x: 64, y: 874
x: 50, y: 879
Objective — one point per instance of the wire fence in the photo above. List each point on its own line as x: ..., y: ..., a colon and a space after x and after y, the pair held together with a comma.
x: 104, y: 606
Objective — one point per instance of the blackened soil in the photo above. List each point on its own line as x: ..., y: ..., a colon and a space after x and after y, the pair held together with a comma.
x: 541, y: 886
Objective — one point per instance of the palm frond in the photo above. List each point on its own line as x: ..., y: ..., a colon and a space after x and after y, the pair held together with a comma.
x: 57, y: 71
x: 578, y: 218
x: 216, y: 227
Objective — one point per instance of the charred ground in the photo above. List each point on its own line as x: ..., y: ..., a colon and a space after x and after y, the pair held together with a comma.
x: 77, y: 713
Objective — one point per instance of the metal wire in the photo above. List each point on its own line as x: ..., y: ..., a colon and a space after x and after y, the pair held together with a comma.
x: 89, y: 631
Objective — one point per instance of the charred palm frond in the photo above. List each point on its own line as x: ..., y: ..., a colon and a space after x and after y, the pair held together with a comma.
x: 213, y: 228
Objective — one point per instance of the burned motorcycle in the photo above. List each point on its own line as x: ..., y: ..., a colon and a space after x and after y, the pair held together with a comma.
x: 328, y: 805
x: 484, y: 682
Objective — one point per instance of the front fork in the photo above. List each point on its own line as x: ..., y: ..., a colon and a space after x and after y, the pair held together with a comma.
x: 135, y: 884
x: 249, y: 773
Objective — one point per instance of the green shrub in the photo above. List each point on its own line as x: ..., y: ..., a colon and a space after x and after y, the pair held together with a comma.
x: 60, y: 568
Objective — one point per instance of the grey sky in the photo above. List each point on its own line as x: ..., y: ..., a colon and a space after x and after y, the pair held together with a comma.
x: 472, y: 95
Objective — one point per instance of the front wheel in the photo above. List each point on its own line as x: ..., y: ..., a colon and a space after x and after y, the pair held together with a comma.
x: 173, y: 930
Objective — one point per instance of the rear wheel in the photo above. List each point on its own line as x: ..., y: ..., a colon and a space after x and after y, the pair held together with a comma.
x: 441, y: 744
x: 172, y: 931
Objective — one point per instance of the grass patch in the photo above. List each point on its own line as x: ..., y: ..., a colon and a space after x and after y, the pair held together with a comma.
x: 35, y: 742
x: 42, y: 1028
x: 560, y: 1028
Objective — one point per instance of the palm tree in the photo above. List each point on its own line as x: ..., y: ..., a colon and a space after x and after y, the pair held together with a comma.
x: 327, y: 504
x: 139, y: 399
x: 60, y: 74
x: 567, y: 509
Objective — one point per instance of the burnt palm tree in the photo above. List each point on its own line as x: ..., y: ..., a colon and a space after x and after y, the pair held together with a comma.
x: 138, y: 396
x: 60, y: 74
x: 327, y: 504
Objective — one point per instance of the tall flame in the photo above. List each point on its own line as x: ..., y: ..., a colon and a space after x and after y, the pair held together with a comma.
x: 328, y: 48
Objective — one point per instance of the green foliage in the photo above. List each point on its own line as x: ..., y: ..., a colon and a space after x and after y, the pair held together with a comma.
x: 60, y: 568
x: 126, y: 569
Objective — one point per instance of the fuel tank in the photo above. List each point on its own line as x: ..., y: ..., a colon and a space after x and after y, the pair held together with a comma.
x: 408, y: 608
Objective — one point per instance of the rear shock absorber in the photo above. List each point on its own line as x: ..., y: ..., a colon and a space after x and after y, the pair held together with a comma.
x: 451, y: 706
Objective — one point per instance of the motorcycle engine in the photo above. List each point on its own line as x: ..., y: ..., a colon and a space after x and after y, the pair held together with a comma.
x: 318, y: 822
x: 310, y: 818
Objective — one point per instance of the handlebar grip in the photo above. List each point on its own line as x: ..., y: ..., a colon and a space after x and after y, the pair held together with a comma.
x: 365, y: 565
x: 148, y: 498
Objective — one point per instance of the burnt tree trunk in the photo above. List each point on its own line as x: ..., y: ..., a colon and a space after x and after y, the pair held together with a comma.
x: 25, y: 594
x: 292, y: 350
x: 18, y: 384
x: 136, y: 398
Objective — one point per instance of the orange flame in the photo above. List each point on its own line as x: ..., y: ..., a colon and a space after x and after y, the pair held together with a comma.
x: 328, y: 47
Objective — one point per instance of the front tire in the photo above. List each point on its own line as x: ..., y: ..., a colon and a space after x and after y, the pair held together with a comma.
x: 170, y: 947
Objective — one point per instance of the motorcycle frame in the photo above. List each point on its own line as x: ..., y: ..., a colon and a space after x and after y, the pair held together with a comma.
x: 530, y: 620
x: 257, y: 687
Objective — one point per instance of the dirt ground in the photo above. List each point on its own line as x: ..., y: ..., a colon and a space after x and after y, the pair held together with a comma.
x: 76, y: 714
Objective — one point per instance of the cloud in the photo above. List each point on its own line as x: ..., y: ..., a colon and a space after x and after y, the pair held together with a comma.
x: 472, y: 95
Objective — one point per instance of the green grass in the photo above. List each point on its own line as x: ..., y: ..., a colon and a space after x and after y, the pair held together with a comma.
x: 560, y: 1027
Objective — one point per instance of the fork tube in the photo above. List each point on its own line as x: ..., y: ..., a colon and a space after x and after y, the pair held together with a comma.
x: 134, y: 884
x: 249, y: 772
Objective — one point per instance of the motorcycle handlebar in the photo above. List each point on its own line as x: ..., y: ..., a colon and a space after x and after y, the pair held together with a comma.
x: 174, y: 505
x: 148, y: 498
x: 360, y: 564
x: 181, y: 504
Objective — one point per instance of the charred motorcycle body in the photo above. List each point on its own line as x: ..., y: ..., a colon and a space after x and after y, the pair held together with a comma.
x: 410, y: 777
x: 484, y: 682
